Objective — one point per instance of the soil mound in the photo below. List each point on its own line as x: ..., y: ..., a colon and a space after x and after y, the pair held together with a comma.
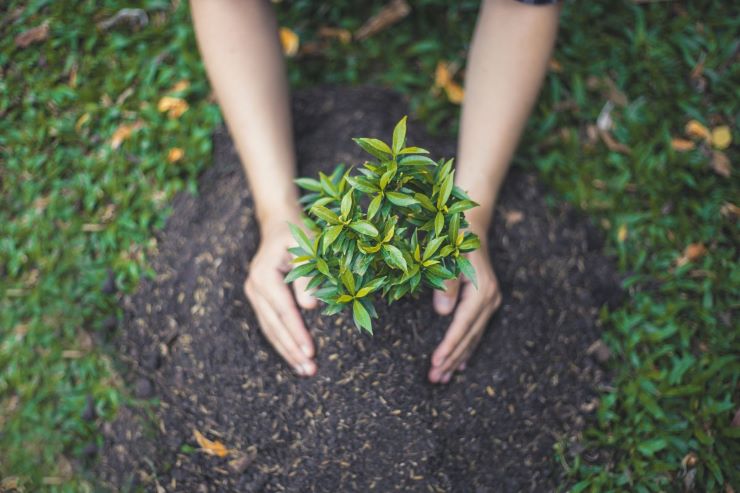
x: 369, y: 421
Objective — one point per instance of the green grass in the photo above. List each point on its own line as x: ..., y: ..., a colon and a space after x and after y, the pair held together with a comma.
x: 72, y: 208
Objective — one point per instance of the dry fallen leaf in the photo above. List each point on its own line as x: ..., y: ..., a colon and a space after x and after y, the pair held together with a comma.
x: 123, y: 132
x: 720, y: 163
x: 174, y: 107
x: 343, y: 35
x: 554, y: 66
x: 721, y: 137
x: 682, y: 145
x: 443, y: 74
x: 289, y: 41
x: 695, y: 129
x: 81, y: 121
x: 210, y: 447
x: 393, y: 12
x: 612, y: 144
x: 34, y: 35
x: 729, y: 209
x: 691, y: 253
x: 455, y: 93
x: 622, y: 233
x: 180, y: 85
x: 175, y: 154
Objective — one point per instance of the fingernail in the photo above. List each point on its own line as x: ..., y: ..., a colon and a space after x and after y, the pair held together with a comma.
x: 446, y: 377
x: 299, y: 370
x: 306, y: 350
x: 307, y: 368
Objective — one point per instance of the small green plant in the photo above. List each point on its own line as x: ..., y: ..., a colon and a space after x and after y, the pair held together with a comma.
x: 397, y: 223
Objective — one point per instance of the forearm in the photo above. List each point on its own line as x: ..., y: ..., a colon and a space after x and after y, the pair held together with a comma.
x: 239, y: 43
x: 506, y: 64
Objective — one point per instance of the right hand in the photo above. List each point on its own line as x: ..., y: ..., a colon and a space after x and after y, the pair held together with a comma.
x: 272, y: 301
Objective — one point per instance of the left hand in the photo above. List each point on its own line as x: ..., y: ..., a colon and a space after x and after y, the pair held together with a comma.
x: 474, y: 309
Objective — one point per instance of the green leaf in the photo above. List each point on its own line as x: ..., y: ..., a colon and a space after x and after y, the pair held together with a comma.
x: 425, y: 202
x: 346, y: 205
x: 323, y: 267
x: 362, y: 184
x: 345, y: 298
x: 413, y: 150
x: 445, y: 190
x: 453, y: 228
x: 432, y: 247
x: 376, y: 147
x: 399, y: 136
x: 649, y: 447
x: 365, y: 228
x: 416, y: 161
x: 331, y: 234
x: 460, y: 206
x: 301, y: 238
x: 322, y: 212
x: 394, y: 257
x: 327, y: 185
x: 361, y: 317
x: 401, y: 199
x: 348, y: 280
x: 472, y: 242
x: 388, y: 175
x: 467, y: 269
x: 308, y: 184
x: 372, y: 209
x: 300, y: 271
x: 439, y: 223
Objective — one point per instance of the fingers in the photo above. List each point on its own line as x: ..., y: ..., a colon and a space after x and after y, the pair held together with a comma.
x: 302, y: 296
x: 465, y: 316
x: 444, y: 301
x: 279, y: 338
x: 281, y: 322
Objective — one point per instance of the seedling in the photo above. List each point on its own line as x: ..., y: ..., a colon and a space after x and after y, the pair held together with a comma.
x: 396, y: 224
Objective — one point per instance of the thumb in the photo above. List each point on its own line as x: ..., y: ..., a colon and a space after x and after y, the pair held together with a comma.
x: 302, y: 296
x: 444, y: 301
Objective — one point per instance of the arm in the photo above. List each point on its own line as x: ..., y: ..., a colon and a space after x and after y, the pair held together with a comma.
x: 239, y: 43
x: 506, y: 64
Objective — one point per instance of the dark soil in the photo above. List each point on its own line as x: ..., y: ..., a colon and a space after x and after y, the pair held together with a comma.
x: 369, y: 421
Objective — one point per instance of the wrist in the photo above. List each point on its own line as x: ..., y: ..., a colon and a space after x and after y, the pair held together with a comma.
x: 271, y: 218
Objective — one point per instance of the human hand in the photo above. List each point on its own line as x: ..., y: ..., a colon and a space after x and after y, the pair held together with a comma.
x: 474, y: 309
x: 278, y: 315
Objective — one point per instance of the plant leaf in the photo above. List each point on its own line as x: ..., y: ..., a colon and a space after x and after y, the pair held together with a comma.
x: 467, y: 269
x: 439, y: 223
x: 399, y: 136
x: 328, y: 186
x: 372, y: 209
x: 412, y: 150
x: 348, y: 280
x: 331, y: 234
x: 361, y: 317
x: 432, y: 247
x: 401, y: 199
x: 325, y: 214
x: 417, y: 161
x: 365, y: 228
x: 346, y: 204
x: 425, y: 202
x: 301, y: 238
x: 302, y: 270
x: 445, y: 190
x: 460, y: 206
x: 394, y: 257
x: 308, y: 184
x: 362, y: 184
x: 376, y: 147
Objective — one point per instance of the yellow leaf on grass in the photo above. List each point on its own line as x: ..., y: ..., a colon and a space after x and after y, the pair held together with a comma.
x: 691, y: 253
x: 34, y: 35
x: 343, y: 35
x: 695, y: 129
x: 123, y: 132
x: 174, y: 107
x: 81, y: 121
x: 622, y: 233
x: 455, y: 93
x: 175, y: 154
x: 180, y: 85
x: 720, y: 163
x: 210, y: 447
x: 290, y: 41
x: 721, y: 137
x: 682, y: 145
x: 442, y: 75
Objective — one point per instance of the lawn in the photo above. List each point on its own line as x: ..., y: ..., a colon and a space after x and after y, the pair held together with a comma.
x: 101, y: 125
